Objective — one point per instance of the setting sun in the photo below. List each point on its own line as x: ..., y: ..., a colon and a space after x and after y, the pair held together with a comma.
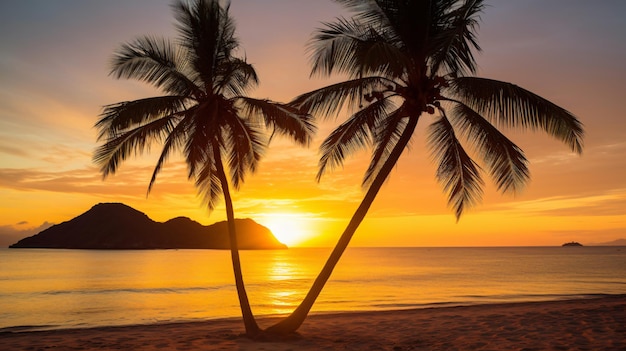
x: 290, y: 229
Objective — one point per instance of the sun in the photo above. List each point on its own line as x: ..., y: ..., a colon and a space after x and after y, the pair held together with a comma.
x: 289, y: 228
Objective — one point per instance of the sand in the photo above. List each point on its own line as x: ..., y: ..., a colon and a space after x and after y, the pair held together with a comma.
x: 583, y: 324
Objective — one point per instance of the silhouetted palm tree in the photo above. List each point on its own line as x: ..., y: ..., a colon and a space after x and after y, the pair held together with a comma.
x: 203, y: 114
x: 407, y: 59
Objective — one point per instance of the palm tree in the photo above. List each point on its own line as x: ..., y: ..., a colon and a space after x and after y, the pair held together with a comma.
x: 203, y: 114
x: 406, y: 60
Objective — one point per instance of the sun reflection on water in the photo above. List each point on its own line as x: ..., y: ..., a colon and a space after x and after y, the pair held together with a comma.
x: 282, y: 270
x: 289, y: 279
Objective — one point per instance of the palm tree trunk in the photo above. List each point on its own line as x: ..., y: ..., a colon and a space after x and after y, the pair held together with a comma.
x: 252, y: 329
x: 292, y: 322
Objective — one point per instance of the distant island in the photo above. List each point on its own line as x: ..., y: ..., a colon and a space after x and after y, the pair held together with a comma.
x: 572, y: 243
x: 115, y: 226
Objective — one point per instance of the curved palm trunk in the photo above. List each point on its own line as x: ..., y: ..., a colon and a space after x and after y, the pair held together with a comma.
x: 296, y: 318
x: 252, y: 329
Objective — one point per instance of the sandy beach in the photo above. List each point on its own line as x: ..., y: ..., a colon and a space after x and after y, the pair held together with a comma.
x: 584, y: 324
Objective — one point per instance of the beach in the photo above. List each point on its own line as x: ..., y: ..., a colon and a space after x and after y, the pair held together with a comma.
x: 579, y: 324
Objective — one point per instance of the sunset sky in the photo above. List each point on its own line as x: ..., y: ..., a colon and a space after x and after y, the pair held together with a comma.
x: 54, y: 64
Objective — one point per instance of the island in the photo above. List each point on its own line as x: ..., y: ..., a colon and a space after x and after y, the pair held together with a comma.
x: 572, y: 243
x: 116, y: 226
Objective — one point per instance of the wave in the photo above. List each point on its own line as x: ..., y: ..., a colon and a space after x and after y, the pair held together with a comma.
x: 161, y: 290
x: 26, y: 328
x: 468, y: 300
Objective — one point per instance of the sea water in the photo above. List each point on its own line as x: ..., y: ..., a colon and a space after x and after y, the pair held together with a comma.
x: 43, y: 289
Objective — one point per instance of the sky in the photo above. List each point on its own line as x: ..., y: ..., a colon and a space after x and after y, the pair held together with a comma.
x: 54, y: 80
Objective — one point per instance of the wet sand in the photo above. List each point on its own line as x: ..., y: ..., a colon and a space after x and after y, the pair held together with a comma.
x: 583, y: 324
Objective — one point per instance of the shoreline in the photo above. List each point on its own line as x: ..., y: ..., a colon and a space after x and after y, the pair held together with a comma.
x: 575, y: 324
x: 271, y: 317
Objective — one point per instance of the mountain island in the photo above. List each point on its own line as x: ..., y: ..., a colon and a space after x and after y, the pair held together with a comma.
x: 117, y: 226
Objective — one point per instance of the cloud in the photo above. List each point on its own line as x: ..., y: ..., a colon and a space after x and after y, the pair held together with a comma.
x: 129, y: 180
x: 610, y: 203
x: 13, y: 151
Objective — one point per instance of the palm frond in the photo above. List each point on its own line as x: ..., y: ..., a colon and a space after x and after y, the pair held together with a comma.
x: 135, y: 141
x: 207, y: 181
x: 333, y: 48
x: 155, y: 61
x: 234, y: 77
x: 351, y: 136
x: 458, y: 173
x: 380, y: 54
x: 328, y: 101
x: 282, y: 118
x: 175, y: 140
x: 198, y: 28
x: 506, y: 161
x: 385, y: 137
x: 361, y: 7
x: 244, y: 146
x: 202, y: 131
x: 207, y: 30
x: 123, y: 115
x: 349, y: 47
x: 411, y: 22
x: 508, y: 104
x: 455, y: 40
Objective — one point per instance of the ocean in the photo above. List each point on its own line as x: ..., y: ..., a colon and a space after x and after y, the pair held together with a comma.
x: 50, y: 289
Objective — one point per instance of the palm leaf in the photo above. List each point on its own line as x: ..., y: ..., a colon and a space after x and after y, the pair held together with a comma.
x: 410, y: 21
x: 202, y: 131
x: 349, y: 47
x: 456, y: 39
x: 458, y: 173
x: 154, y: 61
x: 174, y: 141
x: 333, y: 48
x: 385, y: 137
x: 328, y: 101
x: 122, y: 115
x: 361, y: 7
x: 207, y: 30
x: 207, y: 181
x: 508, y: 104
x: 135, y: 141
x: 244, y: 147
x: 506, y: 161
x: 351, y: 136
x: 284, y: 119
x: 198, y: 25
x: 234, y: 77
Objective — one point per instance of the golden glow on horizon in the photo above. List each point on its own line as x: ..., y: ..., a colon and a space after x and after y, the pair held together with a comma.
x: 290, y: 229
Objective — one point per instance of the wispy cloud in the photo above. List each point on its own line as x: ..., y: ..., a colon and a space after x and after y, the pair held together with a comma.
x: 610, y: 203
x: 130, y: 180
x: 5, y: 148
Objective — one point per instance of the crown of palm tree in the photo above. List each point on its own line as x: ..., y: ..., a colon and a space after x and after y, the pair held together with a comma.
x: 406, y: 57
x: 204, y: 113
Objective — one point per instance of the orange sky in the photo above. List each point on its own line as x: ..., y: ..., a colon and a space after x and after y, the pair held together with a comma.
x: 54, y: 80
